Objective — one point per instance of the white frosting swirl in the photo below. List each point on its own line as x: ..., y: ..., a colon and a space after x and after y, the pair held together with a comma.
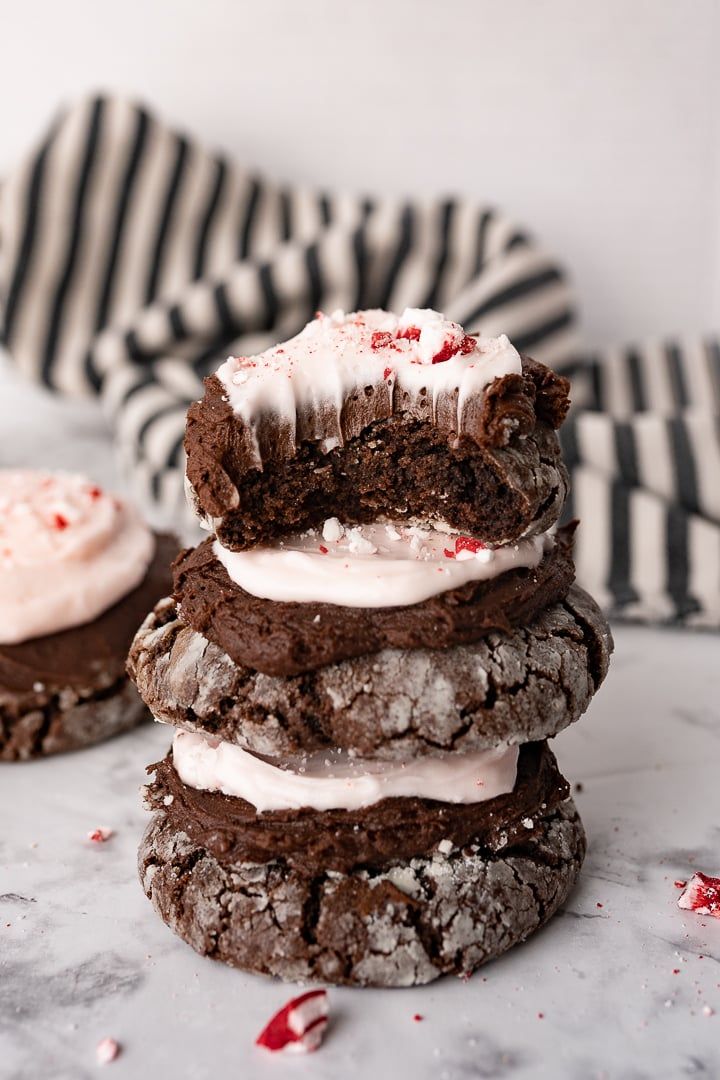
x: 68, y: 552
x: 337, y: 781
x: 424, y: 354
x: 373, y: 566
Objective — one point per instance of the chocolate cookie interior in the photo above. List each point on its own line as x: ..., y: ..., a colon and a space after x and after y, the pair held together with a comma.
x: 398, y: 467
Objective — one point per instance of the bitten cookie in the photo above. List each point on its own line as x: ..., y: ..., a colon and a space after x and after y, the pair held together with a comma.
x: 78, y: 570
x: 403, y: 925
x: 369, y: 416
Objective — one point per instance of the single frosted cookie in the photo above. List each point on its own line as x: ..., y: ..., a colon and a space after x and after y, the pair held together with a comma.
x: 280, y: 638
x: 369, y: 416
x: 78, y: 571
x: 518, y: 687
x: 403, y: 925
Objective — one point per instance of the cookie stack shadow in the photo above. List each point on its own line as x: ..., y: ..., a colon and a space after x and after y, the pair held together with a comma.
x: 405, y: 888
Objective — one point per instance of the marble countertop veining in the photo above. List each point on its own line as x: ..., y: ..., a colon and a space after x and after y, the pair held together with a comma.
x: 621, y: 985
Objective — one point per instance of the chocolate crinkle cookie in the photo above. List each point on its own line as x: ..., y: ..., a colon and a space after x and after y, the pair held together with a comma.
x: 79, y: 571
x: 508, y: 688
x: 404, y: 925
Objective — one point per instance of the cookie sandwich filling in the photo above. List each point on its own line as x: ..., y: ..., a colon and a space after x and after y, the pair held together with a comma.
x: 338, y: 781
x: 68, y: 552
x: 374, y: 566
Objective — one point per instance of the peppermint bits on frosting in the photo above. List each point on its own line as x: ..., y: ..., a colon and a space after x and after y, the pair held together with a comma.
x: 68, y: 551
x: 437, y: 338
x: 419, y: 361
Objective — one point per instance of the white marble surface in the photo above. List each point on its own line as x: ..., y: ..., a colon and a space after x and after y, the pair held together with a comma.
x: 621, y: 987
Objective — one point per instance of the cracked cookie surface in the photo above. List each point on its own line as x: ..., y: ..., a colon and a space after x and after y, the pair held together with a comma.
x: 519, y: 687
x: 402, y: 926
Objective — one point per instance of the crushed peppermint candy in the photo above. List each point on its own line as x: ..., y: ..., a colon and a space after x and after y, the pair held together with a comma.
x: 299, y: 1026
x: 100, y: 836
x: 106, y: 1051
x: 701, y: 895
x: 332, y: 530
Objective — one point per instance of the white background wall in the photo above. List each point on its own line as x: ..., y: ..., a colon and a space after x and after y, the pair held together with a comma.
x: 596, y: 124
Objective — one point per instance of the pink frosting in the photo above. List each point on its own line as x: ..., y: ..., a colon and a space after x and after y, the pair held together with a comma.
x: 68, y: 552
x: 329, y: 780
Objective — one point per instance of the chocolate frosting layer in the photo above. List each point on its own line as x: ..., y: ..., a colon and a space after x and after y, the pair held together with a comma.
x: 87, y: 657
x: 496, y: 481
x: 292, y: 638
x: 390, y: 831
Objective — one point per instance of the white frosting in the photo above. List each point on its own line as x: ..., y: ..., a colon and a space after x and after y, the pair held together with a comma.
x: 336, y: 781
x: 421, y: 352
x: 373, y: 566
x: 68, y: 552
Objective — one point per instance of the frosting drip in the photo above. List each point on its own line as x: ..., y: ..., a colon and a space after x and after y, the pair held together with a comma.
x: 422, y: 354
x: 373, y: 566
x: 68, y: 552
x: 327, y: 781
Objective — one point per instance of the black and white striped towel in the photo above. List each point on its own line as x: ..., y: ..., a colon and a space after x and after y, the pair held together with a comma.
x: 132, y: 261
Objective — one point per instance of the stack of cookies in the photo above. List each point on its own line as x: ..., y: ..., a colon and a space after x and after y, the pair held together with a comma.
x: 365, y: 660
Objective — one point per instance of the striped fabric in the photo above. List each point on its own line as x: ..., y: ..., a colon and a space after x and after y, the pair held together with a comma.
x: 132, y: 261
x: 643, y: 447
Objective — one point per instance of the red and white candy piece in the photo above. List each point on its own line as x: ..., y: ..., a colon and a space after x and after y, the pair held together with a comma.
x: 100, y: 835
x: 701, y: 895
x: 299, y: 1026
